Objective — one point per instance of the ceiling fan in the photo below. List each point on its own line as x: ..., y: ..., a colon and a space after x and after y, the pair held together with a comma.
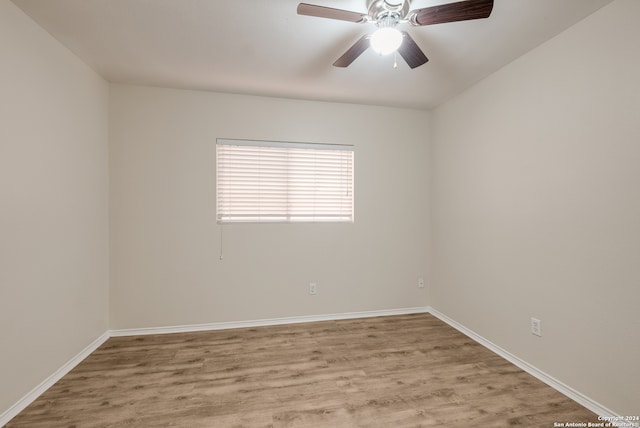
x: 387, y: 14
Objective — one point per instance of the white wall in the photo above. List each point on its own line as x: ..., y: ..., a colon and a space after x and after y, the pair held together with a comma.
x: 53, y: 205
x: 165, y: 243
x: 536, y: 207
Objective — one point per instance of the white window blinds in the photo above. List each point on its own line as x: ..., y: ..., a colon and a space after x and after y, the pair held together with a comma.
x: 268, y: 181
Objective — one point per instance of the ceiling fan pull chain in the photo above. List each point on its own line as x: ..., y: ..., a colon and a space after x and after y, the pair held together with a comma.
x: 395, y: 59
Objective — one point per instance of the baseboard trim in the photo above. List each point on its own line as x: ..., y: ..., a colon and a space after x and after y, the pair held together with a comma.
x: 265, y: 322
x: 36, y: 392
x: 576, y: 396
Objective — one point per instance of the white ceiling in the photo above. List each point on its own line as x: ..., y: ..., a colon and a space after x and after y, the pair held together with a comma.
x: 263, y: 47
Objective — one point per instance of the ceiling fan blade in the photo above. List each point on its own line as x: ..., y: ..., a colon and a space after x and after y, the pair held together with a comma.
x: 329, y: 12
x: 451, y: 12
x: 411, y: 52
x: 353, y: 52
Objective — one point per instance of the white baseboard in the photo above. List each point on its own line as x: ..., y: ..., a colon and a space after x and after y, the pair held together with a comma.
x: 36, y: 392
x: 265, y: 322
x: 576, y: 396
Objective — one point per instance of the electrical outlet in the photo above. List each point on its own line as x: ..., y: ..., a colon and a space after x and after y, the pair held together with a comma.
x: 536, y: 326
x: 420, y: 282
x: 313, y: 288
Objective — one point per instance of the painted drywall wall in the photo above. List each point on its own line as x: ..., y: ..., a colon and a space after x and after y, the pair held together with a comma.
x: 53, y: 205
x: 165, y: 243
x: 536, y: 207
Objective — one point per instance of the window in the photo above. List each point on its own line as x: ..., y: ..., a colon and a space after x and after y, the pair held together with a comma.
x: 270, y: 181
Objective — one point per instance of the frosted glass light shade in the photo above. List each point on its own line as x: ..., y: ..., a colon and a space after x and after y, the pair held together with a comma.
x: 386, y: 40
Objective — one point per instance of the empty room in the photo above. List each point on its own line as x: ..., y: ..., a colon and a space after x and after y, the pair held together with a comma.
x: 341, y: 213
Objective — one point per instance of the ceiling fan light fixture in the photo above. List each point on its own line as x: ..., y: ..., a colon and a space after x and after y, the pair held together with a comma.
x: 387, y: 14
x: 386, y: 40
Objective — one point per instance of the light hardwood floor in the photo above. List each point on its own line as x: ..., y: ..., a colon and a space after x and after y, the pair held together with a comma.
x: 399, y: 371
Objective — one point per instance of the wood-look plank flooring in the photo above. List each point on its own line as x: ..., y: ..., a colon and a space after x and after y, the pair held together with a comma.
x: 392, y: 372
